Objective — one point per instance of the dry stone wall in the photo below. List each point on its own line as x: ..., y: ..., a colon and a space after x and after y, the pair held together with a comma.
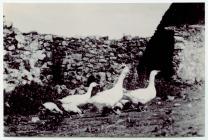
x: 189, y: 53
x: 65, y: 62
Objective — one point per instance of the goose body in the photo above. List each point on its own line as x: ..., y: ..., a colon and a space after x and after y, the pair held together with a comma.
x: 71, y: 108
x: 52, y: 107
x: 107, y: 98
x: 146, y: 94
x: 111, y: 96
x: 77, y: 100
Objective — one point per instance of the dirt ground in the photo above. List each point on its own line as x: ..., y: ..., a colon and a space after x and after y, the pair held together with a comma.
x: 175, y: 116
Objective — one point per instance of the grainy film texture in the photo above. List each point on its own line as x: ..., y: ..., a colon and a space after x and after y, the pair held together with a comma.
x: 99, y: 85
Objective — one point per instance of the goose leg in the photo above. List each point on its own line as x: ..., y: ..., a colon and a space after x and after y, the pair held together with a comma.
x: 128, y: 105
x: 79, y: 112
x: 81, y: 115
x: 116, y: 110
x: 140, y: 107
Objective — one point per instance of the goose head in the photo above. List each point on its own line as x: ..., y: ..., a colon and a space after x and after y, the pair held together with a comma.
x: 154, y: 73
x: 90, y: 89
x: 125, y: 68
x: 93, y: 84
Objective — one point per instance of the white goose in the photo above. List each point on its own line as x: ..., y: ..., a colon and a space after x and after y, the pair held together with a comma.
x: 146, y: 94
x: 77, y: 100
x: 111, y: 96
x: 52, y: 107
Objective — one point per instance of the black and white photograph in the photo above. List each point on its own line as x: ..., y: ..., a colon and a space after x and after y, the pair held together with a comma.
x: 126, y: 70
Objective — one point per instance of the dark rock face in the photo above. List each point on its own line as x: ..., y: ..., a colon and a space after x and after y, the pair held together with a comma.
x: 162, y: 51
x: 183, y: 13
x: 159, y: 54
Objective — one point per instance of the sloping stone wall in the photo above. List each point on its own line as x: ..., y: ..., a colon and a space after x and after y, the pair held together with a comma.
x: 189, y: 53
x: 177, y: 46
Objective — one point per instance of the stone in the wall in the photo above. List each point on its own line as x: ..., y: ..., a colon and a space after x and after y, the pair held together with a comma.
x: 49, y: 38
x: 46, y: 45
x: 8, y: 24
x: 20, y: 38
x: 76, y: 56
x: 11, y: 48
x: 79, y: 64
x: 102, y: 76
x: 140, y: 53
x: 78, y: 77
x: 85, y: 59
x: 90, y: 65
x: 92, y: 60
x: 103, y: 60
x: 64, y: 43
x: 86, y: 70
x: 89, y: 55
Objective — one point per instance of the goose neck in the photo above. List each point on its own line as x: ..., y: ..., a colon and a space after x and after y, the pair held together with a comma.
x: 89, y: 91
x: 119, y: 83
x: 151, y: 81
